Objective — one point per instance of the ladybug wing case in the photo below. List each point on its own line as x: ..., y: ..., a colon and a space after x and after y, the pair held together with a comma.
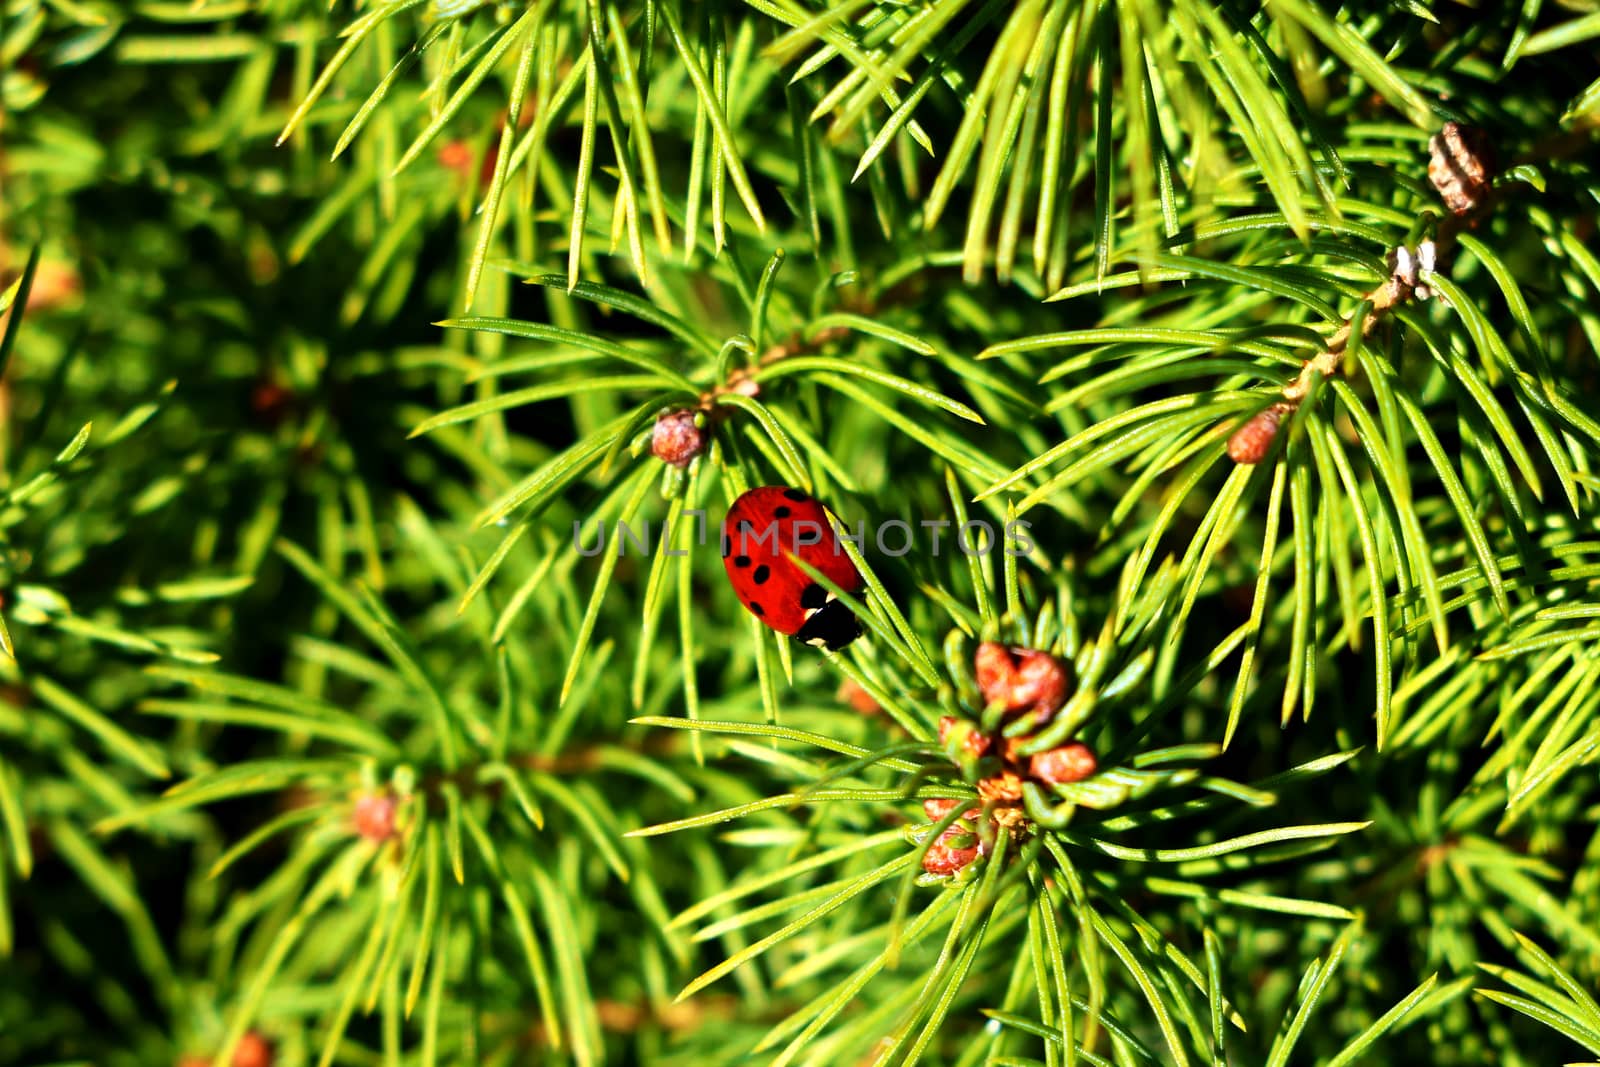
x: 764, y: 524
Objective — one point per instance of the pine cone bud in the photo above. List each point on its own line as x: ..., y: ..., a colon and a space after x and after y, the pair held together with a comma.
x: 1250, y: 442
x: 374, y: 816
x: 1021, y: 678
x: 973, y: 741
x: 1461, y: 164
x: 677, y: 440
x: 1064, y: 765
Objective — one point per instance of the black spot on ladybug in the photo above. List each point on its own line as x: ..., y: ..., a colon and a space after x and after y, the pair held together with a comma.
x: 794, y: 494
x: 746, y: 526
x: 757, y: 608
x: 761, y: 574
x: 742, y: 561
x: 814, y: 596
x: 781, y: 512
x: 727, y: 546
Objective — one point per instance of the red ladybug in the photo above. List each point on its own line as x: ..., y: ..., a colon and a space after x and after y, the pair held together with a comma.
x: 761, y: 526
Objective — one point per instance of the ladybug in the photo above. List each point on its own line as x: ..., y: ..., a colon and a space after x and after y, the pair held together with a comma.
x: 763, y: 525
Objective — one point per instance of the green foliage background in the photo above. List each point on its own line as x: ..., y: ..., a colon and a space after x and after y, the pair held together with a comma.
x: 294, y: 447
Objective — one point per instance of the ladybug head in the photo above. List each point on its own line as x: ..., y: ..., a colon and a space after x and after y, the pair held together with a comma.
x: 831, y: 626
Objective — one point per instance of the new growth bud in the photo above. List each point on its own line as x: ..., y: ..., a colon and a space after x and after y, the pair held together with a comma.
x: 1250, y: 442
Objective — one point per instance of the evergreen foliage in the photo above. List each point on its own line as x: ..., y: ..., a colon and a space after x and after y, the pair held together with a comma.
x: 335, y: 339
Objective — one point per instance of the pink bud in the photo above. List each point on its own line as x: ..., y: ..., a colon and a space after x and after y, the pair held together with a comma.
x: 374, y: 816
x: 1064, y: 765
x: 677, y: 440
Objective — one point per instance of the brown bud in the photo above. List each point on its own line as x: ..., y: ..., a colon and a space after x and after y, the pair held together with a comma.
x: 973, y: 742
x: 677, y: 440
x: 456, y: 155
x: 271, y: 401
x: 374, y: 816
x: 55, y: 284
x: 858, y: 698
x: 1022, y: 678
x: 1009, y: 820
x: 994, y: 666
x: 1002, y: 788
x: 943, y: 858
x: 1250, y: 442
x: 253, y: 1050
x: 298, y: 796
x: 1064, y: 765
x: 1461, y: 164
x: 1042, y: 682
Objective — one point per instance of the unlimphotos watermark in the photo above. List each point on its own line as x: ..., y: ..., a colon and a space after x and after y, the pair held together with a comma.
x: 892, y: 537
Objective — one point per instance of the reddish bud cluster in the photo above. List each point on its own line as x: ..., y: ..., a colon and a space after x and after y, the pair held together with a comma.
x: 1461, y: 164
x: 677, y: 439
x: 1018, y: 680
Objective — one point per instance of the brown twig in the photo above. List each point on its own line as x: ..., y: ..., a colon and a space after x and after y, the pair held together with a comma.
x: 1464, y: 185
x: 744, y: 379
